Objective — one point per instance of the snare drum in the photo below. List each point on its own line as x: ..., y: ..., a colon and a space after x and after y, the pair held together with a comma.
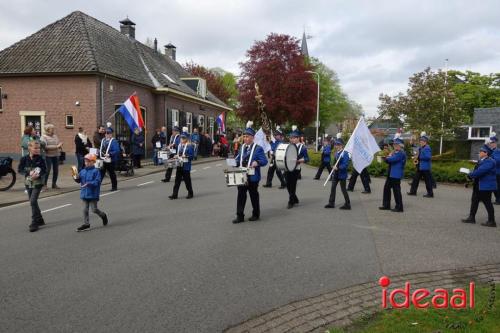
x: 235, y: 177
x: 162, y: 154
x: 286, y: 157
x: 173, y: 163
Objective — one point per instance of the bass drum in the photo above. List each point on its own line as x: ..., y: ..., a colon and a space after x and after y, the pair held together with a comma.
x: 286, y: 157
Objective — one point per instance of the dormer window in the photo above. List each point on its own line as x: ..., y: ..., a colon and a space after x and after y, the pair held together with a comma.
x: 202, y: 88
x: 197, y: 84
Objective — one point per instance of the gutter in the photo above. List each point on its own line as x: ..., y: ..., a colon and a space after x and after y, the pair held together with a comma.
x: 176, y: 92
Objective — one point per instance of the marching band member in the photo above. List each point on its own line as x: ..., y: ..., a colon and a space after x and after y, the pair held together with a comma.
x: 396, y: 161
x: 326, y: 151
x: 183, y: 172
x: 485, y: 182
x: 493, y: 144
x: 340, y: 174
x: 278, y: 135
x: 292, y: 176
x: 423, y: 166
x: 250, y: 156
x: 109, y: 152
x: 173, y: 144
x: 365, y: 180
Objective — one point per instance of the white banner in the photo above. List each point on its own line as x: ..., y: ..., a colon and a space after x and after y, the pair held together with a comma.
x: 260, y: 139
x: 362, y: 146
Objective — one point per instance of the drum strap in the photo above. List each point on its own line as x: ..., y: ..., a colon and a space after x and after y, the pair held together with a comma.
x: 243, y: 152
x: 107, y: 148
x: 299, y: 149
x: 173, y: 138
x: 183, y: 151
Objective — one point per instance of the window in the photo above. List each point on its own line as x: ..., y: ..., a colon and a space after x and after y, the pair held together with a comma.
x: 1, y: 99
x: 202, y: 88
x: 122, y: 131
x: 69, y: 121
x: 175, y: 118
x: 211, y: 124
x: 189, y: 121
x: 479, y: 132
x: 201, y: 123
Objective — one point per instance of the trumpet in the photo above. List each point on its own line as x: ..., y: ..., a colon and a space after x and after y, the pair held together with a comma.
x: 415, y: 160
x: 74, y: 172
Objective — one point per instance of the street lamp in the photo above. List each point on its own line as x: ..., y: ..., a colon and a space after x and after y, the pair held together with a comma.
x: 317, y: 113
x: 444, y: 106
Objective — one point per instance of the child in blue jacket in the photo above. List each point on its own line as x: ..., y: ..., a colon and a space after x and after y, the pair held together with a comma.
x: 90, y: 187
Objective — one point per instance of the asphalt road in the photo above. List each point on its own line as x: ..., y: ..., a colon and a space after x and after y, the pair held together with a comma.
x: 182, y: 266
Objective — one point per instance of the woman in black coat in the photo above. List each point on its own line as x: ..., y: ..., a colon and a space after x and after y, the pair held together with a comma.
x: 137, y: 147
x: 82, y: 146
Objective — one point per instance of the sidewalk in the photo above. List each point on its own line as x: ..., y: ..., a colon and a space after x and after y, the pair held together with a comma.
x: 67, y: 184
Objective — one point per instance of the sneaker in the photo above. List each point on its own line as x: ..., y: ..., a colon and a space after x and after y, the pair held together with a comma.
x: 105, y: 220
x: 83, y: 227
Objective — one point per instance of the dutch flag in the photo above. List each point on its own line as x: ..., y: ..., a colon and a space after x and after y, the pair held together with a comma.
x: 131, y: 112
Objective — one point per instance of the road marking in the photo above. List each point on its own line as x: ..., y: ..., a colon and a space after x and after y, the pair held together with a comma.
x: 218, y: 164
x: 51, y: 209
x: 193, y: 171
x: 146, y: 183
x: 205, y: 168
x: 105, y: 194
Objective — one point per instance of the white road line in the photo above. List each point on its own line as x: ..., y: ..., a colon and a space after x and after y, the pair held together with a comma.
x: 193, y: 171
x: 146, y: 183
x: 218, y: 164
x: 205, y: 168
x: 105, y: 194
x: 48, y: 210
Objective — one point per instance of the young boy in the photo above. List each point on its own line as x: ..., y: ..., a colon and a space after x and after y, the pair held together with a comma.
x: 340, y: 175
x: 33, y: 167
x: 186, y: 153
x: 90, y: 186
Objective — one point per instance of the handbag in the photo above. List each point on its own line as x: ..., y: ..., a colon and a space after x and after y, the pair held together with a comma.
x: 62, y: 157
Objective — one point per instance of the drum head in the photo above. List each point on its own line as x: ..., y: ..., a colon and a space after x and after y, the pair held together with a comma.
x: 291, y: 157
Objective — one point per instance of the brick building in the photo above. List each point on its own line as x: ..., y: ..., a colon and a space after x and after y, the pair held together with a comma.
x: 77, y: 71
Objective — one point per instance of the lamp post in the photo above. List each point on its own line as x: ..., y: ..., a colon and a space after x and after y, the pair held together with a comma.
x: 444, y: 106
x: 317, y: 114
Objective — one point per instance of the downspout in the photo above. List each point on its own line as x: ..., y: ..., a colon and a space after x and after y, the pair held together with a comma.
x: 101, y: 91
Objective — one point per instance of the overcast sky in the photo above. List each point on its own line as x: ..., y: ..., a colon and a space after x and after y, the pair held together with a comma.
x: 374, y: 46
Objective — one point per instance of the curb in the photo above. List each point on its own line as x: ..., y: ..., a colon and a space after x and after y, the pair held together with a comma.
x: 69, y: 190
x: 341, y: 307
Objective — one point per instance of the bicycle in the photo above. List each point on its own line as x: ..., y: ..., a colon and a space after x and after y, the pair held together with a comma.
x: 7, y: 174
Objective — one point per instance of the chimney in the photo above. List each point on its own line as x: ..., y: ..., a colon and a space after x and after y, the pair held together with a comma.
x: 127, y: 28
x: 170, y: 50
x: 156, y: 45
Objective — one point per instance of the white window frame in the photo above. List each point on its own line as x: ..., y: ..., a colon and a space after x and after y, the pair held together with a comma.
x: 470, y: 137
x: 211, y: 122
x: 189, y: 121
x: 68, y: 125
x: 175, y: 117
x: 201, y: 122
x: 202, y: 87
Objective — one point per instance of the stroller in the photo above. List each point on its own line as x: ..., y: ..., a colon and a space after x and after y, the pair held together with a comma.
x: 125, y: 163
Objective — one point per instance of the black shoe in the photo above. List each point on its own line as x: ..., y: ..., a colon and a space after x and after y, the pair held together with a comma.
x: 384, y: 208
x: 350, y: 190
x: 290, y: 205
x: 40, y: 222
x: 489, y: 224
x: 268, y: 185
x: 411, y: 193
x: 296, y: 201
x: 253, y: 218
x: 316, y: 178
x: 83, y: 227
x: 330, y: 205
x: 105, y: 220
x: 346, y: 207
x: 282, y: 187
x: 428, y: 195
x: 470, y: 219
x: 172, y: 197
x: 366, y: 192
x: 397, y: 210
x: 33, y: 227
x: 238, y: 220
x: 114, y: 189
x: 189, y: 196
x: 164, y: 180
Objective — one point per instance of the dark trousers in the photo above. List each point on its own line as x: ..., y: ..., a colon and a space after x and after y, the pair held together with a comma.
x: 182, y: 175
x: 168, y: 172
x: 80, y: 161
x: 242, y: 199
x: 333, y: 191
x: 52, y: 163
x: 291, y: 185
x: 427, y: 178
x: 33, y: 194
x: 110, y: 168
x: 485, y: 197
x: 365, y: 179
x: 93, y: 205
x: 270, y: 175
x: 322, y: 166
x: 497, y: 192
x: 395, y: 185
x: 137, y: 161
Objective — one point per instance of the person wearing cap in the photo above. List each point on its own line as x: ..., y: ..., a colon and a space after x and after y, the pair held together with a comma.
x: 110, y: 153
x: 485, y: 183
x: 326, y: 152
x: 250, y: 156
x: 495, y: 154
x: 424, y: 157
x: 397, y: 162
x: 340, y: 175
x: 89, y: 179
x: 183, y: 172
x: 278, y: 135
x: 292, y: 176
x: 174, y: 142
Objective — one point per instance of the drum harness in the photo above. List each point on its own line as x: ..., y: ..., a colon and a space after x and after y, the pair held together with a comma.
x: 107, y: 149
x: 250, y: 156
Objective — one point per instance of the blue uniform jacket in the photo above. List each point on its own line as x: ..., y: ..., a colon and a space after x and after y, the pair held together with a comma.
x: 92, y: 177
x: 303, y: 153
x: 114, y: 150
x: 486, y: 174
x: 274, y: 145
x: 186, y: 166
x: 341, y: 173
x: 424, y: 157
x: 496, y: 156
x: 176, y: 140
x: 195, y: 137
x: 397, y: 163
x: 326, y: 154
x: 258, y: 155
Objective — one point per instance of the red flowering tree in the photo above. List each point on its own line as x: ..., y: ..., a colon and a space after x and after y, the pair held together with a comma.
x: 288, y: 90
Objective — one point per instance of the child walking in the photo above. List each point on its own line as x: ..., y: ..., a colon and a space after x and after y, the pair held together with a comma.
x: 90, y: 183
